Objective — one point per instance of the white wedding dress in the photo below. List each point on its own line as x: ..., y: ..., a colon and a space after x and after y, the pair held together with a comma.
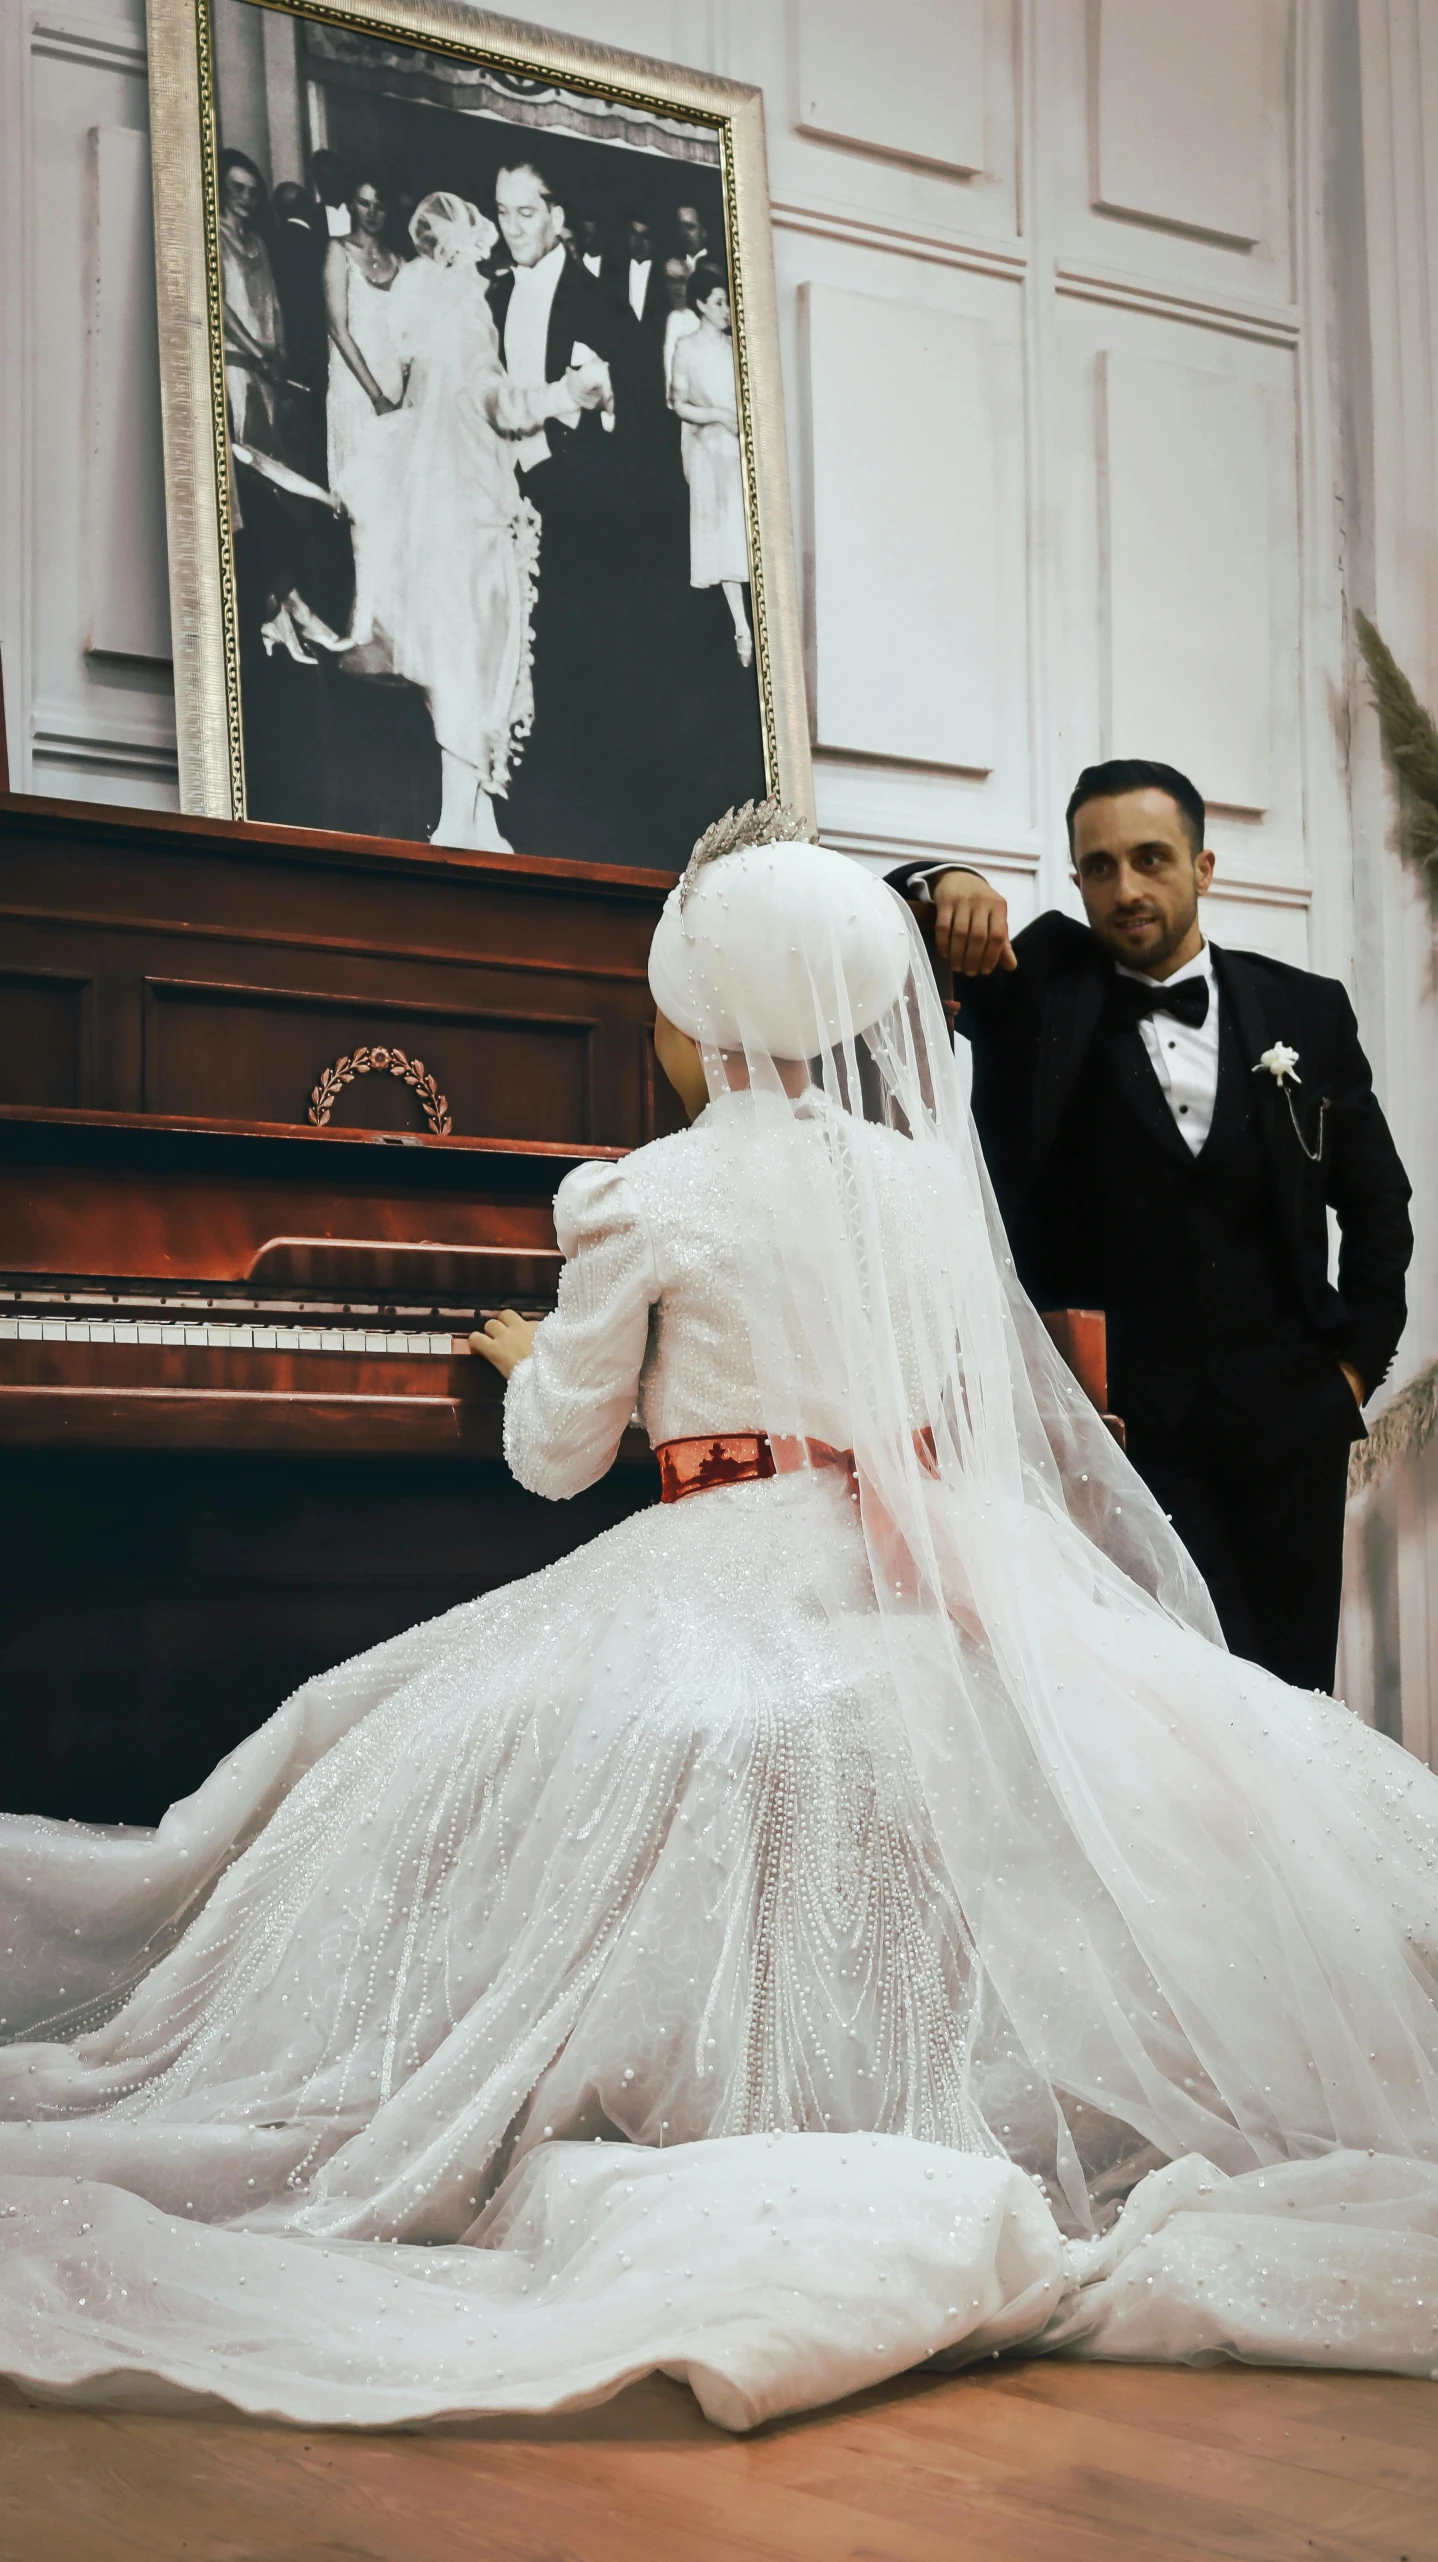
x: 577, y: 1985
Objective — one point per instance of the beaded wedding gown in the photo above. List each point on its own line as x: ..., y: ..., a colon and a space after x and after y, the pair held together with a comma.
x: 710, y: 1954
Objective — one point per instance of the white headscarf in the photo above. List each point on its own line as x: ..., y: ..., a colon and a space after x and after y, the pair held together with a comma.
x: 789, y: 947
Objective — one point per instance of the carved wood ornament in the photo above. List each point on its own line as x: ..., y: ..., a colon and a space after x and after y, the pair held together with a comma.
x: 380, y: 1061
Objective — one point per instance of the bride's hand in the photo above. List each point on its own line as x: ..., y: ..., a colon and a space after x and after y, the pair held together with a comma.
x: 504, y: 1341
x: 382, y: 404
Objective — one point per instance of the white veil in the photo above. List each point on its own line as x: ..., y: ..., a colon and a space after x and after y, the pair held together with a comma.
x: 1045, y: 1630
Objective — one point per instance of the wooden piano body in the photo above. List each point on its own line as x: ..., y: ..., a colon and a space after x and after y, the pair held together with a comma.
x: 241, y: 1436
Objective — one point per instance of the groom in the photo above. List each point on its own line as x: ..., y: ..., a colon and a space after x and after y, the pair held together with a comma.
x: 1167, y: 1126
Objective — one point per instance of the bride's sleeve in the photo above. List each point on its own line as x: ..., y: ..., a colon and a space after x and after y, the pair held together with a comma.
x: 566, y: 1407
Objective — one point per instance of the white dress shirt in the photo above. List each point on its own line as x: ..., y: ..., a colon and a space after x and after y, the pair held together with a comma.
x: 638, y: 284
x: 1184, y: 1055
x: 337, y: 221
x: 593, y: 261
x: 526, y: 341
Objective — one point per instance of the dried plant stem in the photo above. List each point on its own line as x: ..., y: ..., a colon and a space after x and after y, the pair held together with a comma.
x: 1404, y: 1428
x: 1410, y: 743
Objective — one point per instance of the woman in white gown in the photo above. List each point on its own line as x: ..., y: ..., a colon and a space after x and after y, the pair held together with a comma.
x: 453, y: 557
x: 704, y: 395
x: 366, y: 384
x: 853, y: 1912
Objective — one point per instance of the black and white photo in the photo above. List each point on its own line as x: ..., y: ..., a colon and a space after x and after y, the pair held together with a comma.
x: 490, y: 487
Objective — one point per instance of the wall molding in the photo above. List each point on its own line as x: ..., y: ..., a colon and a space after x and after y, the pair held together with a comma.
x: 1013, y: 857
x: 99, y: 43
x: 1272, y: 324
x: 60, y: 736
x: 934, y: 248
x: 1263, y: 889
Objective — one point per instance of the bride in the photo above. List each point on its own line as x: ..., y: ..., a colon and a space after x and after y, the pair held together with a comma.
x: 450, y: 549
x: 853, y: 1912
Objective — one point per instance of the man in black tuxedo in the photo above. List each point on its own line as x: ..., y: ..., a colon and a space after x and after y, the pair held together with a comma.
x: 1167, y: 1126
x: 552, y: 317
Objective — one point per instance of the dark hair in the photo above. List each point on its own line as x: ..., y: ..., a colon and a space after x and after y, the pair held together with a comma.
x: 326, y: 167
x: 366, y: 178
x: 708, y: 278
x: 1139, y: 774
x: 537, y: 170
x: 240, y: 160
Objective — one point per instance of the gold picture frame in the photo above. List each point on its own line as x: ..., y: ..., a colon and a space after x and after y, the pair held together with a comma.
x: 504, y: 56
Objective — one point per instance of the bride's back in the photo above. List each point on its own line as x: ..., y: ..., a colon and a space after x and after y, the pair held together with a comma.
x: 742, y: 1213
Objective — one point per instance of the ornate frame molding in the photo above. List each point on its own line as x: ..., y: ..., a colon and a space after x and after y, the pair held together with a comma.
x: 185, y: 145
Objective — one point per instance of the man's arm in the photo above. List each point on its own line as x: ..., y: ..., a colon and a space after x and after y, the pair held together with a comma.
x: 971, y: 919
x: 1370, y: 1192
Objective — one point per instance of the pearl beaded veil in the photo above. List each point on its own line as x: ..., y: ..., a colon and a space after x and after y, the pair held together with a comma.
x: 1016, y: 1557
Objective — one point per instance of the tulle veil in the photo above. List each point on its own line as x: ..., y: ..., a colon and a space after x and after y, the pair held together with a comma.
x: 1024, y: 1578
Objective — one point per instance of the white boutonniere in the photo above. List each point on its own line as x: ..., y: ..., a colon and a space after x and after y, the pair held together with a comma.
x: 1281, y: 1063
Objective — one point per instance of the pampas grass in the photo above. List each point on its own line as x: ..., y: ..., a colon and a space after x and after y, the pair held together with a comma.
x: 1410, y: 743
x: 1404, y: 1428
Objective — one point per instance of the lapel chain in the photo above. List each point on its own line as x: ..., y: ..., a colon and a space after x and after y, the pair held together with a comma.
x: 1314, y: 1155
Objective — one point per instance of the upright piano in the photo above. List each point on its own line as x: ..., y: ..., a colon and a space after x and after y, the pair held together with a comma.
x: 282, y: 1116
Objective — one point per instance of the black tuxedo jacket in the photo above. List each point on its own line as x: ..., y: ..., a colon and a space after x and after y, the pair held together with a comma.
x: 614, y: 279
x: 1031, y: 1031
x: 581, y: 313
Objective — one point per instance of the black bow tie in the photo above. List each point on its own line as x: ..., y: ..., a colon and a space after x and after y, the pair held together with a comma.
x: 1133, y: 999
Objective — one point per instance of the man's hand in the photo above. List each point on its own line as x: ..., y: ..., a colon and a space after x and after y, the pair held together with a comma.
x: 971, y: 925
x: 1355, y: 1382
x: 505, y: 1341
x: 588, y: 384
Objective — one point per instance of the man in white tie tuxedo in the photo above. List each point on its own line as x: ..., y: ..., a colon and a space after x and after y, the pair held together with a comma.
x: 1167, y: 1125
x: 553, y: 318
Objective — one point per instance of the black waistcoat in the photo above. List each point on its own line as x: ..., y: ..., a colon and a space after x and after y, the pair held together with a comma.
x: 1184, y: 1253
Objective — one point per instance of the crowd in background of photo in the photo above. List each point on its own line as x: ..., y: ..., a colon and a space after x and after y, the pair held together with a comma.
x: 489, y: 514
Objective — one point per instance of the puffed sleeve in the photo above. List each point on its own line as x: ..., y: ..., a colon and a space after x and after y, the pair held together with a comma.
x: 566, y: 1407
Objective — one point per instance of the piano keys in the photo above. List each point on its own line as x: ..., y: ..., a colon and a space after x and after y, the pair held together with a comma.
x: 172, y: 1285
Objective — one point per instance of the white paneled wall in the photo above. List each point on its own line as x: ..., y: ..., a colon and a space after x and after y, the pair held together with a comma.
x: 893, y: 581
x: 89, y: 704
x: 1105, y: 322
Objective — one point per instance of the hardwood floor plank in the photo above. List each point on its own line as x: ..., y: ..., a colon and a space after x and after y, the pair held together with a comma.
x: 1016, y: 2463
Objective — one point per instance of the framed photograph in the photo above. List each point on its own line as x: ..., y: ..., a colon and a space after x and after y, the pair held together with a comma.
x: 474, y: 442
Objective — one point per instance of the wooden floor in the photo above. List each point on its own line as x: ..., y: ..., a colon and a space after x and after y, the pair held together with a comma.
x: 1021, y: 2463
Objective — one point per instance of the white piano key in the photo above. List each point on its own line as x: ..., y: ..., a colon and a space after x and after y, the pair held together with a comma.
x: 217, y: 1334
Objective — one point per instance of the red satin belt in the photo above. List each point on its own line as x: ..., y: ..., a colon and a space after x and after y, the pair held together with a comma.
x: 733, y: 1458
